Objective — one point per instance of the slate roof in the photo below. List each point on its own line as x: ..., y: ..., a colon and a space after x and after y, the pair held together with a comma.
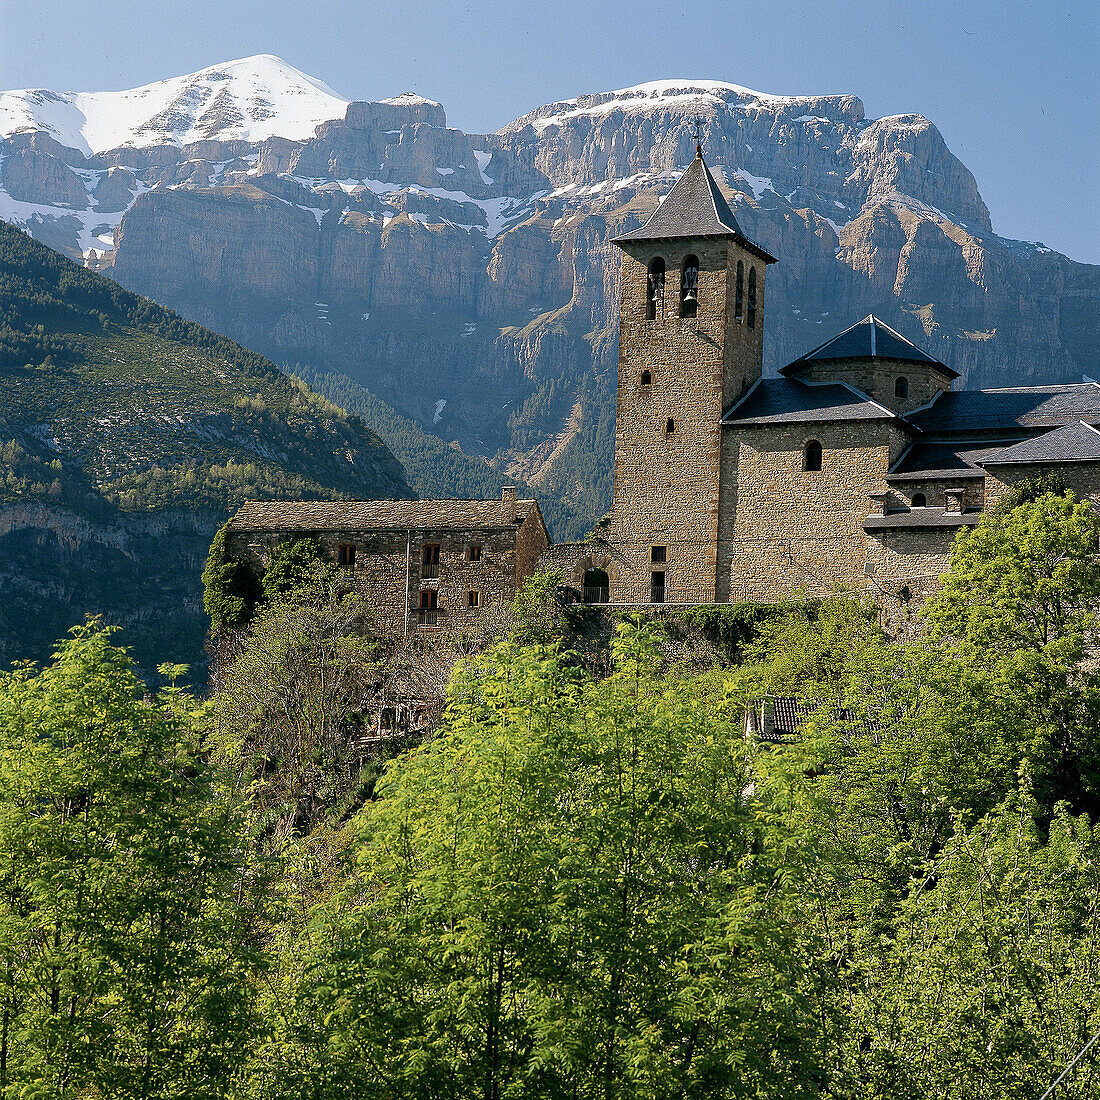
x: 869, y: 339
x: 790, y: 715
x: 923, y: 517
x: 695, y: 207
x: 1018, y: 407
x: 943, y: 460
x: 1078, y: 442
x: 788, y: 401
x: 367, y: 515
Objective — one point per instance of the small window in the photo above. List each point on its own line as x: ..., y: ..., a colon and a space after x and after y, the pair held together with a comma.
x: 345, y: 555
x: 670, y: 426
x: 655, y: 289
x: 473, y: 552
x: 429, y: 562
x: 750, y: 313
x: 658, y: 555
x: 811, y: 456
x: 647, y: 378
x: 657, y: 586
x: 919, y: 500
x: 473, y: 599
x: 689, y: 287
x: 901, y: 387
x: 739, y: 293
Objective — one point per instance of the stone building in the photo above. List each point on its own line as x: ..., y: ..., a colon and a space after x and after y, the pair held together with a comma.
x: 423, y: 565
x: 855, y: 467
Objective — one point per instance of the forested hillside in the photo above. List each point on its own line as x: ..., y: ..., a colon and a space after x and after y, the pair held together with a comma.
x: 589, y: 881
x: 127, y: 435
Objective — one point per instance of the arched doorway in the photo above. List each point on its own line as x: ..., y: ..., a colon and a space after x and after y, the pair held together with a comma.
x: 597, y: 586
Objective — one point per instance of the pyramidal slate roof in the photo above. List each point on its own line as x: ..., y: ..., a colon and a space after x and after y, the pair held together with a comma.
x: 695, y: 207
x: 1078, y: 442
x: 870, y: 338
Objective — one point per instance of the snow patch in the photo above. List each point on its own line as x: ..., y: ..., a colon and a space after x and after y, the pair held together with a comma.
x: 482, y: 160
x: 440, y: 405
x: 250, y: 99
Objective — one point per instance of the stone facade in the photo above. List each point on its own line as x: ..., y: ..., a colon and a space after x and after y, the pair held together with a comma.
x: 856, y: 469
x: 423, y: 566
x: 786, y: 530
x: 879, y: 378
x: 676, y: 377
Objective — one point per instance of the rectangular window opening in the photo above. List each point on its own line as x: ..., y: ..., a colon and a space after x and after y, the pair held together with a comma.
x: 473, y: 553
x: 427, y: 614
x: 658, y: 555
x: 345, y: 555
x: 657, y: 587
x: 429, y: 562
x: 473, y: 599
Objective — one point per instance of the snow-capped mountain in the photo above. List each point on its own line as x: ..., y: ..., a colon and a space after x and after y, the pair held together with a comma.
x: 467, y: 279
x: 251, y: 99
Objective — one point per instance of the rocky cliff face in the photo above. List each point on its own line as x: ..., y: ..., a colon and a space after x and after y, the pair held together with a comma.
x: 468, y: 281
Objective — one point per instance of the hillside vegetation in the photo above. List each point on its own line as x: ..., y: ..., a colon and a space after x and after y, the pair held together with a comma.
x: 121, y: 422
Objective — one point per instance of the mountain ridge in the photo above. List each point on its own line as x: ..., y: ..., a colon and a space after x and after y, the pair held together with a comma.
x: 466, y: 283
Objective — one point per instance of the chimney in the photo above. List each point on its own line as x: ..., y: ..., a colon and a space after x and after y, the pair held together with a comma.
x: 878, y: 502
x: 508, y: 504
x: 953, y: 500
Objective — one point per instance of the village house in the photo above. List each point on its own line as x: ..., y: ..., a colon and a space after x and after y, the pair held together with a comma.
x: 422, y: 565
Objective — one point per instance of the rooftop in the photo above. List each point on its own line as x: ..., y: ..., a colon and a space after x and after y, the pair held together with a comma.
x: 1078, y: 442
x: 924, y: 517
x: 869, y: 339
x: 695, y: 207
x: 938, y: 459
x: 1016, y: 407
x: 382, y: 515
x: 789, y: 401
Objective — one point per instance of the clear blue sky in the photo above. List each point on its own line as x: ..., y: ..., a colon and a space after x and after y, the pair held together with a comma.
x: 1012, y: 85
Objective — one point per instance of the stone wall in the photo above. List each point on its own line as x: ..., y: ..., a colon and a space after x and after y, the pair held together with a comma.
x: 934, y: 489
x: 877, y: 378
x: 786, y: 530
x: 389, y: 569
x: 667, y: 440
x: 1082, y: 477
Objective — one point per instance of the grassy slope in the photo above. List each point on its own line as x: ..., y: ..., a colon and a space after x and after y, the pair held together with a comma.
x: 125, y: 404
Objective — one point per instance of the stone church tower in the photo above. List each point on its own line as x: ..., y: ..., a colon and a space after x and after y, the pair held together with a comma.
x: 691, y: 333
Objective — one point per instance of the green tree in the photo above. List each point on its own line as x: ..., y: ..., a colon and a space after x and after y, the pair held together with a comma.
x: 287, y: 711
x: 230, y: 588
x: 120, y: 954
x: 290, y: 565
x: 1012, y: 629
x: 559, y: 896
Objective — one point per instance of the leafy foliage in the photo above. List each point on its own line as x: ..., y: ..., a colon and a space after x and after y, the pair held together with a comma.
x: 122, y: 960
x: 555, y: 898
x: 230, y: 588
x: 587, y: 884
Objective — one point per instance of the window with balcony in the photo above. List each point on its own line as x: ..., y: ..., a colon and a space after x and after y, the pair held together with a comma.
x: 429, y: 562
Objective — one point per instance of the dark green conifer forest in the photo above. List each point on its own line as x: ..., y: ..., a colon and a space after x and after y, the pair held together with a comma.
x: 587, y: 882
